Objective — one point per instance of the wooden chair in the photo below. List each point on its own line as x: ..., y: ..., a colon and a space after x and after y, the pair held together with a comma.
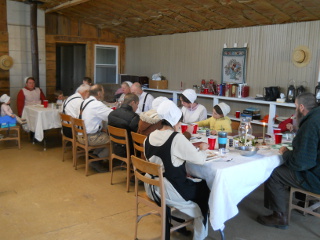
x: 67, y: 122
x: 306, y: 209
x: 8, y: 136
x: 153, y: 169
x: 79, y: 128
x: 138, y: 140
x: 120, y: 136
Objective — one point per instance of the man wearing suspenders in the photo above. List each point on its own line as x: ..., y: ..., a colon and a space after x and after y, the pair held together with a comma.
x: 145, y: 99
x: 93, y: 111
x: 71, y: 106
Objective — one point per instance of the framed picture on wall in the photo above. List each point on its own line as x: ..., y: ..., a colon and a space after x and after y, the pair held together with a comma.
x: 234, y: 65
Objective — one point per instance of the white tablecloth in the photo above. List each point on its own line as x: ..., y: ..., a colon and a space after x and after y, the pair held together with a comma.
x: 231, y: 181
x: 39, y: 119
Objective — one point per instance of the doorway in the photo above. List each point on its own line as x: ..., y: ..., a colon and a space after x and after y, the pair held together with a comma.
x: 71, y: 67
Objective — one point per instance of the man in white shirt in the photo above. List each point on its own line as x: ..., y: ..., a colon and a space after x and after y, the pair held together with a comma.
x: 93, y: 111
x: 145, y: 99
x: 71, y: 106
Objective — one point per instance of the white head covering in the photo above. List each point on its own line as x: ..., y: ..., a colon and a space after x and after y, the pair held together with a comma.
x: 156, y: 102
x: 4, y: 98
x: 190, y: 94
x: 129, y: 83
x: 224, y: 108
x: 169, y: 111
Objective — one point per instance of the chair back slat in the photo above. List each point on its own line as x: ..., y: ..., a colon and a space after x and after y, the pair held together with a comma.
x: 138, y: 140
x: 66, y: 120
x: 79, y: 127
x: 146, y: 167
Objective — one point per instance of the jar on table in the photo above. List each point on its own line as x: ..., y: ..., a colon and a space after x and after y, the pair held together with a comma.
x: 245, y: 130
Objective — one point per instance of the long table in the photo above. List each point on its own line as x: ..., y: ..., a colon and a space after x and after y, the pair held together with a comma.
x: 40, y: 119
x: 231, y: 181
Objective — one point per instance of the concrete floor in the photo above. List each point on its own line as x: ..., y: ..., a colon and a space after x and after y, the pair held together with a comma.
x: 42, y: 197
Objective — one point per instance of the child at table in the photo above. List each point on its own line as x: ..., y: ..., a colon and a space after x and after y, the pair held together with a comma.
x: 219, y: 120
x: 7, y: 111
x: 5, y: 106
x: 59, y: 97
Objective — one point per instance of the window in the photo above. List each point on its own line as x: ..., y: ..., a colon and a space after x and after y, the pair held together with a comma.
x: 106, y: 64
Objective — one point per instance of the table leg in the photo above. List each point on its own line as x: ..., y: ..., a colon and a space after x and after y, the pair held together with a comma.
x: 222, y: 234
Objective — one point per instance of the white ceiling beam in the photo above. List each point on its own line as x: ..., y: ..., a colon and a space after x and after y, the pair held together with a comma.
x: 66, y: 5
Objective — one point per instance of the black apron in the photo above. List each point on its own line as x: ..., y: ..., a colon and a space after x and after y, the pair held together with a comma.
x: 197, y: 192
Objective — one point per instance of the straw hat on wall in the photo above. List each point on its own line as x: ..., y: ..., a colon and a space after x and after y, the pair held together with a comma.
x: 6, y: 62
x: 301, y: 56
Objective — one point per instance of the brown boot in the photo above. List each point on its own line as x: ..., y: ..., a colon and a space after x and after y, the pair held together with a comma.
x: 277, y: 219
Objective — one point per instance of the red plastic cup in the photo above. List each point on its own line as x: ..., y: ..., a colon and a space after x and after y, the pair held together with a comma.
x: 184, y: 127
x: 277, y: 138
x: 237, y: 114
x: 212, y: 142
x: 113, y: 108
x: 45, y: 103
x: 276, y: 130
x: 195, y: 128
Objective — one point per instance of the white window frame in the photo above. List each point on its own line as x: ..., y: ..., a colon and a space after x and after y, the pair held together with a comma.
x: 116, y: 64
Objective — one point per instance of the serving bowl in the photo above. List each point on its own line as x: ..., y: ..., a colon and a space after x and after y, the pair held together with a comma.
x: 247, y: 150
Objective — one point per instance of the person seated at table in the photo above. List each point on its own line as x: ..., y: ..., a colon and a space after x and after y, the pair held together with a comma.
x: 93, y: 111
x: 125, y: 88
x: 145, y: 99
x: 58, y: 94
x: 172, y: 150
x: 301, y: 168
x: 71, y: 106
x: 289, y: 124
x: 149, y: 120
x: 87, y: 80
x: 5, y: 106
x: 219, y: 120
x: 191, y: 110
x: 29, y: 95
x: 125, y: 117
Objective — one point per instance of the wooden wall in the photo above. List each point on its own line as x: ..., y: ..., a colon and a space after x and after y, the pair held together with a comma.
x: 60, y: 29
x: 4, y: 48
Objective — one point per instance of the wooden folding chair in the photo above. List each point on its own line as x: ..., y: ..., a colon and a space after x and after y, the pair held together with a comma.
x: 79, y: 128
x: 138, y: 140
x: 7, y: 134
x: 306, y: 209
x: 120, y: 136
x: 153, y: 169
x: 67, y: 123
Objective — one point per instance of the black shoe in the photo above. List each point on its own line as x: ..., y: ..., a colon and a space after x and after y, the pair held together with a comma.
x: 277, y: 220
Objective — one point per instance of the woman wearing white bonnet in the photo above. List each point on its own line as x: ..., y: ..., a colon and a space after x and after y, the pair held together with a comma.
x: 172, y: 150
x: 125, y: 87
x: 149, y: 121
x: 191, y: 110
x: 219, y: 120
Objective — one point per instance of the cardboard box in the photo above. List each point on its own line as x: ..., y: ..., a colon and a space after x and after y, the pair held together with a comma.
x: 162, y: 84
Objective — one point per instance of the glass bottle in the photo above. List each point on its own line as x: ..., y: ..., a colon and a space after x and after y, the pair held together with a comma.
x: 245, y: 130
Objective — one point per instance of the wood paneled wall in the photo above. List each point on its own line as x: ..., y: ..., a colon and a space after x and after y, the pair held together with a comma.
x: 190, y: 57
x: 4, y: 48
x: 60, y: 29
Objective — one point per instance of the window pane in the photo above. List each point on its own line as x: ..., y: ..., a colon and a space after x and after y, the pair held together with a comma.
x: 106, y: 74
x: 106, y: 55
